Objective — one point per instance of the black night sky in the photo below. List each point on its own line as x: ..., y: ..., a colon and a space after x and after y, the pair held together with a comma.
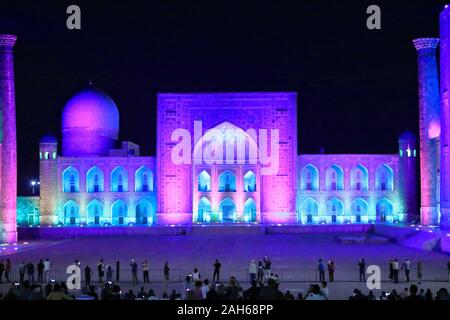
x: 357, y: 88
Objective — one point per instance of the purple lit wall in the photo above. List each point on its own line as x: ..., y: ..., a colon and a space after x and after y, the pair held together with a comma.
x: 349, y: 189
x: 8, y: 160
x: 445, y: 117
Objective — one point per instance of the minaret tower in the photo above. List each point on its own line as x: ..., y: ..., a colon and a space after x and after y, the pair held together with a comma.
x: 8, y: 153
x: 429, y: 129
x: 445, y: 116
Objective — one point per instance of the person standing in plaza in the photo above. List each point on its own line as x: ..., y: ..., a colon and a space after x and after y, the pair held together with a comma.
x: 260, y: 271
x: 396, y: 268
x: 109, y: 272
x: 87, y: 276
x: 205, y: 288
x: 448, y: 271
x: 47, y: 266
x: 391, y: 269
x: 321, y: 268
x: 267, y: 267
x: 134, y: 270
x: 252, y: 270
x: 100, y: 271
x: 331, y: 268
x: 30, y: 271
x: 406, y: 266
x: 2, y: 270
x: 419, y: 272
x: 8, y: 268
x: 362, y: 270
x: 166, y: 271
x: 22, y: 269
x: 196, y: 275
x: 40, y: 271
x: 145, y: 271
x: 216, y: 274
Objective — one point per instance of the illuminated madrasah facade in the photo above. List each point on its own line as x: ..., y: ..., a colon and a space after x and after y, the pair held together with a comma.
x: 97, y: 180
x: 93, y: 183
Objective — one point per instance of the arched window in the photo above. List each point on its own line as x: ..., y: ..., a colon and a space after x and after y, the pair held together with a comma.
x: 71, y: 180
x: 54, y: 155
x: 119, y: 210
x: 144, y: 212
x: 227, y: 209
x: 94, y: 180
x: 119, y: 180
x: 204, y: 210
x: 250, y: 210
x: 335, y: 209
x: 95, y: 212
x: 227, y: 182
x: 309, y: 178
x: 384, y: 178
x: 46, y: 155
x: 335, y: 178
x: 310, y: 210
x: 71, y: 213
x: 359, y: 178
x: 40, y: 155
x: 204, y: 181
x: 360, y: 210
x: 143, y: 180
x: 385, y: 210
x: 250, y: 182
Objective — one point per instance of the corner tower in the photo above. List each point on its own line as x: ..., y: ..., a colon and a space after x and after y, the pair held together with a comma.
x: 48, y: 177
x: 407, y: 177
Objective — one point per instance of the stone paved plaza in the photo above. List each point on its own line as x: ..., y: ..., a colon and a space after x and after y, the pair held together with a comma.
x: 294, y: 258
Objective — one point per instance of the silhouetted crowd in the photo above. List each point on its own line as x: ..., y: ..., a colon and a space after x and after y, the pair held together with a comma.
x: 411, y: 293
x: 264, y: 284
x: 203, y: 290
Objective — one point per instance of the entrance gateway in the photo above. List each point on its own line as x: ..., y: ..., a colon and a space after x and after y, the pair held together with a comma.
x: 238, y: 192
